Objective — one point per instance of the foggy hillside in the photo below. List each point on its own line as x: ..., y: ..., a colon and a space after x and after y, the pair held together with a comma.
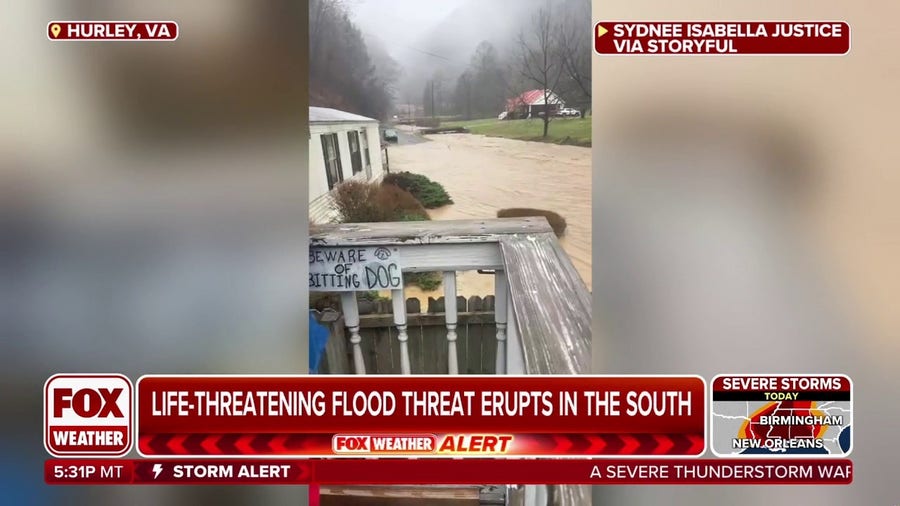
x: 386, y: 68
x: 456, y: 36
x: 424, y: 39
x: 460, y: 57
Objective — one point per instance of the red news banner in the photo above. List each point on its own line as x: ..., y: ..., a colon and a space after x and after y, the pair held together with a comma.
x: 448, y: 471
x: 722, y: 37
x: 420, y: 416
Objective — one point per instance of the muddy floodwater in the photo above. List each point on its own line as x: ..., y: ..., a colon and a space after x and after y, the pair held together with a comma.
x: 486, y: 174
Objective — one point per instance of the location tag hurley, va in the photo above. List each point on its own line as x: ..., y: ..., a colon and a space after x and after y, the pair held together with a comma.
x: 55, y: 29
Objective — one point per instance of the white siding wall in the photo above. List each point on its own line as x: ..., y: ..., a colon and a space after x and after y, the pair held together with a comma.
x: 320, y: 209
x: 318, y: 181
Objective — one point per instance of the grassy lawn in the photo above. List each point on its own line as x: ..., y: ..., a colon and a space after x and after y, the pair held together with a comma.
x: 575, y: 131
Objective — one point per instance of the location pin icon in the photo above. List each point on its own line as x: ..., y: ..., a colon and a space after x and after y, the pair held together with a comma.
x: 55, y: 29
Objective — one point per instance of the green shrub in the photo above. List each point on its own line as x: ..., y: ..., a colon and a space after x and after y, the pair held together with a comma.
x: 372, y: 295
x: 557, y: 222
x: 431, y: 194
x: 427, y: 281
x: 400, y: 204
x: 355, y: 203
x: 322, y: 301
x: 361, y: 202
x: 326, y: 300
x: 412, y: 217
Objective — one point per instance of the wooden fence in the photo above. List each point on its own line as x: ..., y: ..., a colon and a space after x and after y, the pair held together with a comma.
x: 476, y: 342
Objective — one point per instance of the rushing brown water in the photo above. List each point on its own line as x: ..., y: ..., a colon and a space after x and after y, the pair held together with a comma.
x: 486, y: 174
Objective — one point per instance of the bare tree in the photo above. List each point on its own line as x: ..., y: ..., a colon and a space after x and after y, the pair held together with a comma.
x: 487, y: 80
x: 539, y: 57
x: 321, y: 14
x: 574, y: 48
x: 463, y: 94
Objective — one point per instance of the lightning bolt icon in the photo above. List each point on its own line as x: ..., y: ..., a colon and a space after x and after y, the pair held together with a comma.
x: 157, y: 468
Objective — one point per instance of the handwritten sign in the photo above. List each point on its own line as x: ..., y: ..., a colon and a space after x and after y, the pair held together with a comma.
x: 352, y: 269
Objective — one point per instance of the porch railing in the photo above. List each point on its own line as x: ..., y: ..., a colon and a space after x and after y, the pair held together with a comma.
x: 542, y: 308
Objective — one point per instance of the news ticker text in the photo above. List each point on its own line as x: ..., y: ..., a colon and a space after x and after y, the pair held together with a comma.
x: 448, y: 472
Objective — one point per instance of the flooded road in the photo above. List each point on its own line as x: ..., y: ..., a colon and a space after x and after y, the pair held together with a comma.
x: 486, y: 174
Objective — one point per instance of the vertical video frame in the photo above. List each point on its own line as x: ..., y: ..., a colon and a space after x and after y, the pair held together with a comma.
x: 450, y: 202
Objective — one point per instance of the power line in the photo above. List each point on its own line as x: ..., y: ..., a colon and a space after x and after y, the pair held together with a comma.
x: 430, y: 54
x: 448, y: 60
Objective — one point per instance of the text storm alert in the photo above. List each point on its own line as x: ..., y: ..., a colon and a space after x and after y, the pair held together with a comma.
x: 88, y: 415
x: 783, y: 415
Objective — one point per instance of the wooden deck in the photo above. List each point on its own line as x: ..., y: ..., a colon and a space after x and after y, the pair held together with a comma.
x: 548, y: 314
x: 550, y: 302
x: 552, y: 305
x: 425, y: 232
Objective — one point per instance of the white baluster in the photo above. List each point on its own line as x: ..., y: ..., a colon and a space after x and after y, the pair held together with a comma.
x: 399, y: 303
x: 450, y: 312
x: 501, y: 292
x: 515, y: 356
x: 351, y: 319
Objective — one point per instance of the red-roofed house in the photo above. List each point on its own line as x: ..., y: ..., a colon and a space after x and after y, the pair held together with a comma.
x: 530, y: 104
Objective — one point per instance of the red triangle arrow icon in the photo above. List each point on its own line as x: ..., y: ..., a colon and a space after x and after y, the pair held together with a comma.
x: 176, y: 444
x: 631, y: 444
x: 663, y: 444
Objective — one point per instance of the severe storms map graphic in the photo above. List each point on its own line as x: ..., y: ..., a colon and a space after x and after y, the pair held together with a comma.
x: 799, y: 422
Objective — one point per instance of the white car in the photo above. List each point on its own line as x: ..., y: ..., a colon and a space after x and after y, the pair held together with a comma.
x: 569, y: 113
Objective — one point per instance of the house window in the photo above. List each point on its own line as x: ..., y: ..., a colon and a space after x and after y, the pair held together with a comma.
x: 355, y: 156
x: 364, y: 140
x: 332, y: 159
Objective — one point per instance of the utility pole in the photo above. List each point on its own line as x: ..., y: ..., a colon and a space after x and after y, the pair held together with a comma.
x: 468, y: 100
x: 432, y: 99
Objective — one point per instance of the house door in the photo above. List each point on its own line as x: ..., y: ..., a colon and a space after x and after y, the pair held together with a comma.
x: 355, y: 155
x: 333, y: 170
x: 367, y: 161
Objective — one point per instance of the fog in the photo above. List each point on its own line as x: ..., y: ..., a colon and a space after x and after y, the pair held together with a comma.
x: 402, y: 22
x: 425, y: 38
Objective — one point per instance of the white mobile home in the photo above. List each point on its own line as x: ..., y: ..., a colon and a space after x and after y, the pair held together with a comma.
x: 342, y: 146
